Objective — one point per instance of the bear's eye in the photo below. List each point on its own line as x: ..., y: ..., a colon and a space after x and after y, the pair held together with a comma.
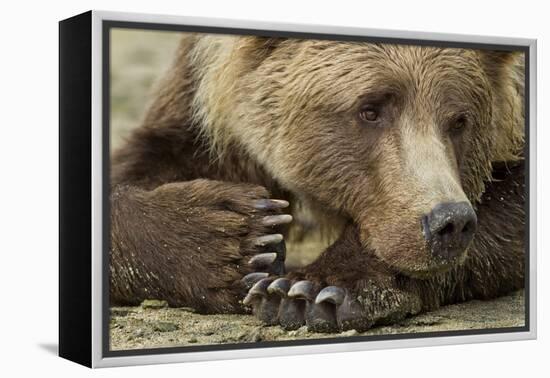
x: 368, y: 114
x: 459, y: 123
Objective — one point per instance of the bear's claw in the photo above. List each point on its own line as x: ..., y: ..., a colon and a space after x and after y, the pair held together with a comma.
x: 266, y: 307
x: 275, y: 220
x: 332, y: 309
x: 270, y: 204
x: 331, y: 294
x: 250, y: 279
x: 263, y: 260
x: 264, y: 240
x: 302, y: 290
x: 257, y: 290
x: 278, y: 300
x: 273, y: 259
x: 280, y: 287
x: 271, y: 247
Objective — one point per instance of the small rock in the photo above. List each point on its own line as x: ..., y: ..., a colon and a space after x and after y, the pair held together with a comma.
x: 251, y: 336
x: 154, y: 304
x: 120, y: 312
x: 192, y: 340
x: 165, y: 327
x: 187, y: 309
x: 351, y: 332
x: 242, y: 336
x: 298, y: 332
x: 426, y: 320
x: 256, y: 335
x: 139, y: 333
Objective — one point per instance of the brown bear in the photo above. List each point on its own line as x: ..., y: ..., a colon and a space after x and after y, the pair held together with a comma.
x: 415, y: 153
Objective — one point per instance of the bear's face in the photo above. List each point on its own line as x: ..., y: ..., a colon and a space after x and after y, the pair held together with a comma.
x: 399, y: 138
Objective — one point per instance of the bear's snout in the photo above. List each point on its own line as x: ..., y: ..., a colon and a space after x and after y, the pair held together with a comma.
x: 449, y: 228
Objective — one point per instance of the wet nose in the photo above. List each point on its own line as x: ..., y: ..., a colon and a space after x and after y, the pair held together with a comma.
x: 449, y: 228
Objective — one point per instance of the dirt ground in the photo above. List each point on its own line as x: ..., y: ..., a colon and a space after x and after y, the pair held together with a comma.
x: 138, y: 327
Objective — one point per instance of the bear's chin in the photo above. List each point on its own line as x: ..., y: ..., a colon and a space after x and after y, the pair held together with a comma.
x: 431, y: 269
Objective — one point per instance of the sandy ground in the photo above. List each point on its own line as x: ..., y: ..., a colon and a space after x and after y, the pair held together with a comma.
x: 138, y: 59
x: 138, y: 327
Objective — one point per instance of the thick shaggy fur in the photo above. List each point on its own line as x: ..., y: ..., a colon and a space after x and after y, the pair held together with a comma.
x: 242, y: 118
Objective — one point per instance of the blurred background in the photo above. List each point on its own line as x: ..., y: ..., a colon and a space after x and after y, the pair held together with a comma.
x: 138, y: 60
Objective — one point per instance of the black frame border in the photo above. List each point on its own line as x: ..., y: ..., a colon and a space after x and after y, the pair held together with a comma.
x: 108, y: 25
x: 75, y: 188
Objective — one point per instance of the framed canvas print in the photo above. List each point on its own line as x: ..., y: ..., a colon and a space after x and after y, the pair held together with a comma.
x: 232, y: 189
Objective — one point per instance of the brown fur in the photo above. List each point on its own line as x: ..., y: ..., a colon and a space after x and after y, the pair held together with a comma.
x: 241, y: 118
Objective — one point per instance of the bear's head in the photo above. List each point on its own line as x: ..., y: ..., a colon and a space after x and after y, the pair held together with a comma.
x: 398, y: 138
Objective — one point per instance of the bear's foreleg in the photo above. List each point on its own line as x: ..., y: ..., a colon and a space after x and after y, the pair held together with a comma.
x: 191, y: 242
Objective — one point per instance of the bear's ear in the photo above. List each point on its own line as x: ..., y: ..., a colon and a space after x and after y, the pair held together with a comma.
x: 495, y: 63
x: 254, y: 50
x: 505, y: 70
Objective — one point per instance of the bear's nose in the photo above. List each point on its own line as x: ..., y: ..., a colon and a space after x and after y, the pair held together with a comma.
x: 449, y: 228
